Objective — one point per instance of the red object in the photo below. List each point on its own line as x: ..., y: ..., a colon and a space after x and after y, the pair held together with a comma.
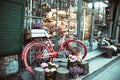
x: 37, y: 51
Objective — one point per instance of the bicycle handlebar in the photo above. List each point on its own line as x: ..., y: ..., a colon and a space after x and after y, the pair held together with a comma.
x: 55, y: 29
x: 61, y: 27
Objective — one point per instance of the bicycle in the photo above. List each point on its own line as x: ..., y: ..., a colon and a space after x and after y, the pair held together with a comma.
x: 36, y: 51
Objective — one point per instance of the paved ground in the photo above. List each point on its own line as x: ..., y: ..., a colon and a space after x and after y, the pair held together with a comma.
x: 111, y: 73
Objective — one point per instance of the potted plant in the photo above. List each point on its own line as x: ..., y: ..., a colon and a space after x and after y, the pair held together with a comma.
x: 74, y: 66
x: 50, y: 69
x: 74, y: 61
x: 75, y: 71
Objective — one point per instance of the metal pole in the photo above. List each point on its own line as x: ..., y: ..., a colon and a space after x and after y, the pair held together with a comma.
x: 30, y: 14
x: 79, y: 14
x: 92, y: 26
x: 110, y: 23
x: 84, y: 14
x: 117, y: 34
x: 116, y: 22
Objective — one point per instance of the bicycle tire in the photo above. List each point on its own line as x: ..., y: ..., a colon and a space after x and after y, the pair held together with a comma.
x: 28, y: 55
x: 69, y: 47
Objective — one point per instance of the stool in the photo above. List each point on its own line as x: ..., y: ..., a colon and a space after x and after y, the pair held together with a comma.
x: 85, y: 66
x: 39, y: 73
x: 62, y: 74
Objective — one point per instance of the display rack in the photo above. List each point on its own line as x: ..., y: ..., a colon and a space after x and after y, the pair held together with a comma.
x: 56, y: 13
x: 50, y: 11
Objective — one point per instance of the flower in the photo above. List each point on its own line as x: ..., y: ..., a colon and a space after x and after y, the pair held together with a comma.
x: 74, y: 64
x: 37, y: 25
x: 43, y: 65
x: 53, y: 69
x: 66, y: 53
x: 50, y: 69
x: 75, y: 70
x: 47, y: 70
x: 74, y: 60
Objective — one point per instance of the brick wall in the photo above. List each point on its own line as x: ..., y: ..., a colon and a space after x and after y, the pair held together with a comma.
x: 8, y: 64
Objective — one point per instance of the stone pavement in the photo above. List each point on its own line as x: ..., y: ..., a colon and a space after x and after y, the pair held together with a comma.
x: 111, y: 73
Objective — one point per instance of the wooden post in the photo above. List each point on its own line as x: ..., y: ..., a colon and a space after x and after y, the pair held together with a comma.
x: 39, y: 73
x: 62, y: 74
x: 85, y: 66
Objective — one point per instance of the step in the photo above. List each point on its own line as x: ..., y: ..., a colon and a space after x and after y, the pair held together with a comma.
x: 90, y: 57
x: 112, y: 72
x: 97, y: 64
x: 93, y: 54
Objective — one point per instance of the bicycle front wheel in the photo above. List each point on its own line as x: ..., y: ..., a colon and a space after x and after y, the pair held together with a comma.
x: 76, y: 47
x: 32, y: 53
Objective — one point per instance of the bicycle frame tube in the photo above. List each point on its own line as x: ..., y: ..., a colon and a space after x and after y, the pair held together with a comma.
x: 61, y: 44
x: 47, y: 55
x: 49, y: 45
x: 64, y: 40
x: 52, y: 52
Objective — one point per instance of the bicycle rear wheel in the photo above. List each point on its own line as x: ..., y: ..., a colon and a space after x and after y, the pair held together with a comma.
x: 32, y: 53
x: 74, y: 46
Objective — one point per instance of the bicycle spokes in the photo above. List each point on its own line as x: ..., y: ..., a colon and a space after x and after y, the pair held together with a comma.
x: 76, y: 47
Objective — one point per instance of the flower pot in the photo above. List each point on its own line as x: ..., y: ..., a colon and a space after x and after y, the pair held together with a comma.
x: 75, y: 76
x: 108, y: 53
x: 50, y: 79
